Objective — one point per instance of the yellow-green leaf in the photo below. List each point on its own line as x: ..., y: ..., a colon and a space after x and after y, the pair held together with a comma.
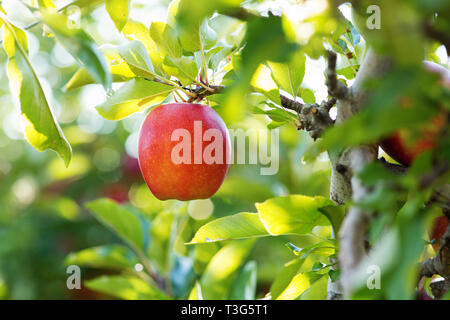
x: 134, y: 96
x: 125, y: 223
x: 42, y: 130
x: 126, y: 287
x: 166, y: 39
x: 295, y: 214
x: 218, y: 277
x: 118, y: 10
x: 80, y: 45
x: 238, y: 226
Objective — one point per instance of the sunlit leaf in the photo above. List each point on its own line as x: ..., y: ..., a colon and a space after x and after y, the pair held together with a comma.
x: 126, y: 287
x: 134, y: 96
x: 80, y: 45
x: 134, y: 30
x: 218, y: 277
x: 46, y: 4
x: 284, y: 277
x: 238, y: 226
x: 294, y: 214
x: 192, y: 37
x: 307, y: 95
x: 244, y: 287
x: 121, y: 220
x: 296, y: 287
x: 317, y: 290
x: 184, y: 68
x: 42, y: 129
x: 118, y: 10
x: 193, y: 12
x: 166, y: 39
x: 112, y: 256
x: 262, y: 82
x: 125, y: 62
x: 289, y: 76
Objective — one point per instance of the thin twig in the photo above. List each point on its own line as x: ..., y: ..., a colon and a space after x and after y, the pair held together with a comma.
x: 336, y: 88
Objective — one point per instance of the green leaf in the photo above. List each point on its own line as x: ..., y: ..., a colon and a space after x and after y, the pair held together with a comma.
x: 182, y: 276
x: 112, y: 256
x: 134, y: 96
x: 185, y: 69
x: 262, y: 82
x: 121, y: 220
x: 125, y: 62
x: 192, y: 37
x: 126, y: 287
x: 191, y: 13
x: 129, y: 60
x: 284, y: 277
x: 244, y: 287
x: 86, y: 4
x: 295, y: 214
x: 138, y: 31
x: 289, y: 76
x: 196, y: 292
x: 260, y: 32
x: 221, y: 271
x: 307, y: 95
x: 118, y: 10
x: 276, y: 114
x: 42, y: 129
x: 80, y: 45
x: 79, y: 79
x: 238, y: 226
x: 317, y: 290
x: 335, y: 215
x: 46, y: 4
x: 299, y: 284
x: 166, y: 39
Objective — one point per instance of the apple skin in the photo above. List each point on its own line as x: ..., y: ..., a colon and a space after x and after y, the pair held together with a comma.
x: 438, y: 229
x: 183, y: 181
x: 397, y: 145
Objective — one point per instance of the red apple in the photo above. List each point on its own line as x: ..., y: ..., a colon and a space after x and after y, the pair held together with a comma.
x: 184, y: 151
x: 398, y: 145
x: 131, y: 168
x: 439, y: 227
x: 115, y: 191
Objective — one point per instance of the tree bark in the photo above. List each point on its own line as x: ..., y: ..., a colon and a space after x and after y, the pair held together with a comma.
x: 345, y: 165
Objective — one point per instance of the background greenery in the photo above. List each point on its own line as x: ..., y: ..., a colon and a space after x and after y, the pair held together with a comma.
x: 135, y: 247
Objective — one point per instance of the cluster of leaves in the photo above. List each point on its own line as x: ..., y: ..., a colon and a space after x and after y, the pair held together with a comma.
x: 156, y: 264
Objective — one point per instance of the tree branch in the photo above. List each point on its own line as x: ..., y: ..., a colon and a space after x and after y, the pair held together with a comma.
x: 336, y: 88
x: 313, y: 117
x: 440, y: 264
x: 346, y: 164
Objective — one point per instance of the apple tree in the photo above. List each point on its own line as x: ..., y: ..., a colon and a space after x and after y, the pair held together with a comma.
x: 337, y: 79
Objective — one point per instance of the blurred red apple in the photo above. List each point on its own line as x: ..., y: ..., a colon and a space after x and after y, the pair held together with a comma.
x: 438, y: 229
x: 115, y: 191
x: 131, y: 168
x: 398, y: 145
x: 184, y: 150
